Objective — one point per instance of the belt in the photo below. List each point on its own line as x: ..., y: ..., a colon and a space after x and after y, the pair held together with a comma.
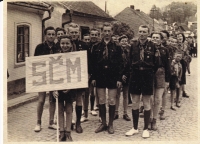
x: 142, y: 68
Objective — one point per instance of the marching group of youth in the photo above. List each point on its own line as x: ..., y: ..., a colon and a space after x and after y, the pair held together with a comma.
x: 144, y: 69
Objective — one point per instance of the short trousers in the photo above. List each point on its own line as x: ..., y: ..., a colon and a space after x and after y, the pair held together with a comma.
x: 159, y: 80
x: 141, y: 82
x: 107, y: 79
x: 172, y: 82
x: 67, y: 97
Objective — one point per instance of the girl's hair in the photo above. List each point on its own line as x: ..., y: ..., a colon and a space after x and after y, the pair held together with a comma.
x: 60, y: 29
x: 70, y: 38
x: 182, y: 36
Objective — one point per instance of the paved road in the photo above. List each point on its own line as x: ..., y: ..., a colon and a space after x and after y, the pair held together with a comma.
x: 180, y: 125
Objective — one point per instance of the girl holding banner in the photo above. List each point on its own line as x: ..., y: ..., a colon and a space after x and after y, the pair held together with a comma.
x: 65, y: 97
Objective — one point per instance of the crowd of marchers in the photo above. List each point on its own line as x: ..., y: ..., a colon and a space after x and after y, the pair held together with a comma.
x: 144, y: 70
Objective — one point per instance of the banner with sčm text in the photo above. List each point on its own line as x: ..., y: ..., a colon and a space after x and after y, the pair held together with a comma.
x: 57, y: 72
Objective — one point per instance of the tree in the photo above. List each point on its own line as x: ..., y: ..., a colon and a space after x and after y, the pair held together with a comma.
x: 179, y: 11
x: 123, y: 28
x: 156, y: 14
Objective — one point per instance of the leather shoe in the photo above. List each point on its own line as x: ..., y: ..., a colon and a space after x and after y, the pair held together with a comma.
x: 79, y: 129
x: 110, y: 130
x: 62, y: 136
x: 68, y: 137
x: 116, y: 116
x: 101, y: 128
x: 185, y: 95
x: 126, y: 117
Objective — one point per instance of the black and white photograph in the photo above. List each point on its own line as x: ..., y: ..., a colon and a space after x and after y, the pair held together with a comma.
x: 101, y: 71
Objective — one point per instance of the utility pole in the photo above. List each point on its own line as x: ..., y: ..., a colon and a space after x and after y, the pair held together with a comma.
x: 153, y: 9
x: 106, y: 6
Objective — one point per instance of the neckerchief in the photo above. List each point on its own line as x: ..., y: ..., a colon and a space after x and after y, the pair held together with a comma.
x: 142, y: 47
x: 105, y: 52
x: 157, y: 54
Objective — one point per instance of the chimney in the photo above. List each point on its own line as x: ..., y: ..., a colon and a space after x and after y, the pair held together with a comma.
x: 132, y: 6
x: 138, y: 10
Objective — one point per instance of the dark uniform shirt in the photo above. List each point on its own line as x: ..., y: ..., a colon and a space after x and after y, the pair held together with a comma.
x: 142, y: 66
x: 142, y: 55
x: 162, y: 60
x: 44, y: 49
x: 80, y: 46
x: 107, y: 56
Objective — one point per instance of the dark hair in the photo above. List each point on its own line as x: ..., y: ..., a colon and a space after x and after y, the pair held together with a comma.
x: 107, y: 24
x: 161, y: 36
x: 86, y: 34
x: 145, y: 26
x: 48, y: 28
x: 166, y: 32
x: 60, y: 29
x: 122, y: 37
x: 182, y: 36
x: 70, y: 38
x: 114, y: 35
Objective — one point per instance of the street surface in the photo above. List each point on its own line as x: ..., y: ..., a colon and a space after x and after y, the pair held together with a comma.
x: 180, y: 125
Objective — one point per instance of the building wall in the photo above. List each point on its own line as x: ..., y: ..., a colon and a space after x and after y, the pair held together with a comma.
x: 82, y: 21
x: 56, y: 17
x: 17, y: 15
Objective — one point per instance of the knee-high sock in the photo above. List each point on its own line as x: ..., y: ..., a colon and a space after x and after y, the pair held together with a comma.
x: 92, y: 99
x: 102, y: 109
x: 78, y: 114
x: 146, y: 118
x: 135, y: 115
x: 111, y: 114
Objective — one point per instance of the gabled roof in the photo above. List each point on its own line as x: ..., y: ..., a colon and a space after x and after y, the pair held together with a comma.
x: 86, y: 7
x: 36, y: 5
x: 135, y: 18
x: 184, y: 27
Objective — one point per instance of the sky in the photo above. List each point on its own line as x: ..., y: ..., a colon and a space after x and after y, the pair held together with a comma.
x: 116, y: 6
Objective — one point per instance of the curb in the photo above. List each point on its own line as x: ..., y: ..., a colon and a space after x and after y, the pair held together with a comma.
x: 21, y: 103
x: 22, y: 100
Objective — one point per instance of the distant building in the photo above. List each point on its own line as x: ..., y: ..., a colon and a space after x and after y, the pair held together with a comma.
x: 134, y: 18
x: 85, y: 13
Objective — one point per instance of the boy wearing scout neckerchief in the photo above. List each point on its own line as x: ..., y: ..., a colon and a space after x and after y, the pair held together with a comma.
x: 141, y: 61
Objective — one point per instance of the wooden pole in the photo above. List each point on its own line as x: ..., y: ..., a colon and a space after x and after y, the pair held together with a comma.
x: 57, y: 119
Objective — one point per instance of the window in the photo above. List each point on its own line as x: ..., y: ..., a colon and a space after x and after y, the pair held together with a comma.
x: 23, y: 42
x: 84, y: 30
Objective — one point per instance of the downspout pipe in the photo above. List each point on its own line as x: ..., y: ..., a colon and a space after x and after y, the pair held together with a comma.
x: 70, y: 12
x: 50, y: 10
